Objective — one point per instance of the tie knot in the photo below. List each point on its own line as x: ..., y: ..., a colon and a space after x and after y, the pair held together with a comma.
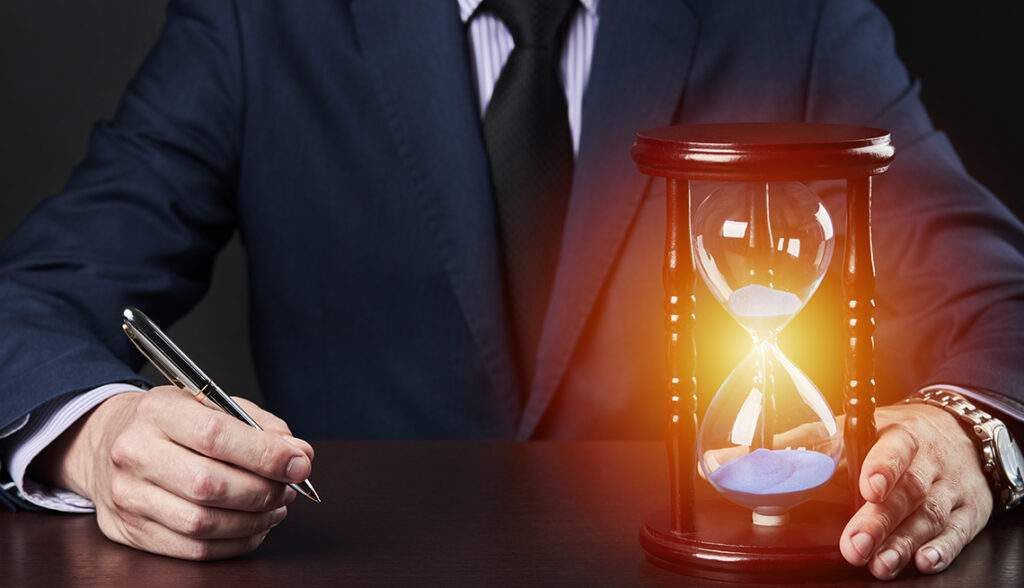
x: 532, y: 23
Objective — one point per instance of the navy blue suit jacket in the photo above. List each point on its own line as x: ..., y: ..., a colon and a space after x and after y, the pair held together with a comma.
x: 342, y: 140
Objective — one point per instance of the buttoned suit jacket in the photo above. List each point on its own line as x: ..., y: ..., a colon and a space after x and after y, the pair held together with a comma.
x: 343, y: 141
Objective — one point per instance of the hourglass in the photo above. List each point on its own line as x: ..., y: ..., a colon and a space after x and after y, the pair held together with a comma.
x: 769, y: 442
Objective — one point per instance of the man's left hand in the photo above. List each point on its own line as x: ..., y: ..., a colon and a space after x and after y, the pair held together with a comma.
x: 926, y: 494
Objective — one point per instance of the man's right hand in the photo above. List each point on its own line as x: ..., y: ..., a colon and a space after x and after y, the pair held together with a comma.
x: 174, y: 477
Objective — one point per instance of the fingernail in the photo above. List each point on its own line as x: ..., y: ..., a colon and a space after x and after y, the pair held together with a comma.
x: 878, y: 484
x: 890, y: 559
x: 297, y: 468
x: 933, y: 556
x: 863, y: 543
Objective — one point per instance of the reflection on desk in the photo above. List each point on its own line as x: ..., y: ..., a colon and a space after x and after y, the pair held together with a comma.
x: 447, y: 514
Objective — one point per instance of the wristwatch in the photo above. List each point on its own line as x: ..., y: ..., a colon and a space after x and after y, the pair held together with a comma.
x: 1000, y: 457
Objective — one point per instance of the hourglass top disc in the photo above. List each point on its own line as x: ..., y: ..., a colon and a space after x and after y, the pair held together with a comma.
x: 763, y: 151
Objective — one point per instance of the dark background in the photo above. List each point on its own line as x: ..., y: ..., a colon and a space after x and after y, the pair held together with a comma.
x: 64, y: 64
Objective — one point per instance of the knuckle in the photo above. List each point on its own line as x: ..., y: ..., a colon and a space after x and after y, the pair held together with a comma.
x: 893, y: 467
x: 271, y: 459
x: 122, y: 452
x: 264, y: 501
x: 906, y: 429
x: 917, y: 484
x: 265, y: 498
x: 886, y: 521
x: 120, y: 493
x: 193, y: 522
x: 209, y: 432
x: 275, y: 424
x: 935, y: 513
x: 960, y: 535
x: 131, y: 529
x: 150, y: 404
x: 903, y: 545
x: 204, y: 486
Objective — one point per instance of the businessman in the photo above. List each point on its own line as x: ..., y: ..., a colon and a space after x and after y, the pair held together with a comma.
x: 443, y: 244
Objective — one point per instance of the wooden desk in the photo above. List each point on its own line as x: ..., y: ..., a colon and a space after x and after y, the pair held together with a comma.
x: 443, y: 514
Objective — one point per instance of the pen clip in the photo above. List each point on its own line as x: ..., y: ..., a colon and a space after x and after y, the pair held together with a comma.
x: 162, y: 352
x: 130, y: 331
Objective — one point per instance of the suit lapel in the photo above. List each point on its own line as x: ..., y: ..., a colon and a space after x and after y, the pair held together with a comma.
x: 419, y: 64
x: 639, y: 67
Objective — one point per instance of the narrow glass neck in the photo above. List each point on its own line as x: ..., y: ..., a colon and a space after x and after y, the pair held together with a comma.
x: 765, y: 337
x: 766, y: 381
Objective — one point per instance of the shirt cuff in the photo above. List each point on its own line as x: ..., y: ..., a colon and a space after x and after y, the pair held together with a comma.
x: 40, y: 428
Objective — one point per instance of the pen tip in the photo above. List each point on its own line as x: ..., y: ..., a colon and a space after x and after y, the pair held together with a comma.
x: 306, y: 489
x: 313, y: 495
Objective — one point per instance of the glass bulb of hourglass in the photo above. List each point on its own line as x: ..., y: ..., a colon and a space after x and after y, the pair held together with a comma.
x: 763, y: 249
x: 770, y: 445
x: 769, y: 440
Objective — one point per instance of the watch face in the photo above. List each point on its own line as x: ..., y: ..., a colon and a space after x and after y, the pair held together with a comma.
x: 1010, y: 458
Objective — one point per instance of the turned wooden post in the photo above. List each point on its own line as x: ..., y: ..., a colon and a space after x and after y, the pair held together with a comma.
x: 859, y: 327
x: 680, y: 350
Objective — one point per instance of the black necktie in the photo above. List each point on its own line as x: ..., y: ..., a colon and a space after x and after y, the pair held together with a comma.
x: 529, y: 146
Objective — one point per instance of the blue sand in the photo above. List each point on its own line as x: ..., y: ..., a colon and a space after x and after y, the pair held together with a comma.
x: 773, y: 477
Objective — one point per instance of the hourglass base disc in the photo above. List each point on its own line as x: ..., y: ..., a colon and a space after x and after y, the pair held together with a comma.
x: 727, y: 546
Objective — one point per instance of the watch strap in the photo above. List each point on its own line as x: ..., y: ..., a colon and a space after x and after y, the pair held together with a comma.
x: 953, y: 403
x: 977, y: 423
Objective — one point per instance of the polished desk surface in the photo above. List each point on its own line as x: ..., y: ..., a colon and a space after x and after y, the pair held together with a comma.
x: 445, y: 514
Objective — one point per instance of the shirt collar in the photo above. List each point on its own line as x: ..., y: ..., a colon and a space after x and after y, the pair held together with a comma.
x: 468, y: 7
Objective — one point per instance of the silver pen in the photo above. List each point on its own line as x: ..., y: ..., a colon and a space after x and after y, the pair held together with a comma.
x: 185, y: 374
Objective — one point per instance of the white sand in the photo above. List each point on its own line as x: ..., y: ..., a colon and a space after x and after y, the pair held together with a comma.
x: 759, y: 301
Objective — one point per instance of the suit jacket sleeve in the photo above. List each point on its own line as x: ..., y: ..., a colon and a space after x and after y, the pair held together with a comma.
x: 139, y: 222
x: 949, y: 256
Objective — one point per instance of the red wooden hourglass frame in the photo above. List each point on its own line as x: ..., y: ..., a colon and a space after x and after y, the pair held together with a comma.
x: 712, y: 537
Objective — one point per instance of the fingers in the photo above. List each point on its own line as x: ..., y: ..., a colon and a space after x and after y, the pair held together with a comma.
x: 219, y: 436
x: 930, y: 518
x: 143, y: 515
x: 936, y: 555
x: 148, y: 535
x: 192, y: 520
x: 887, y: 509
x: 274, y: 424
x: 174, y: 477
x: 927, y: 494
x: 268, y: 420
x: 883, y: 534
x: 931, y: 538
x: 886, y: 463
x: 204, y: 481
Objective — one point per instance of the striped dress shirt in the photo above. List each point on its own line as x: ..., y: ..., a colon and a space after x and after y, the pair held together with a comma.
x: 491, y: 44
